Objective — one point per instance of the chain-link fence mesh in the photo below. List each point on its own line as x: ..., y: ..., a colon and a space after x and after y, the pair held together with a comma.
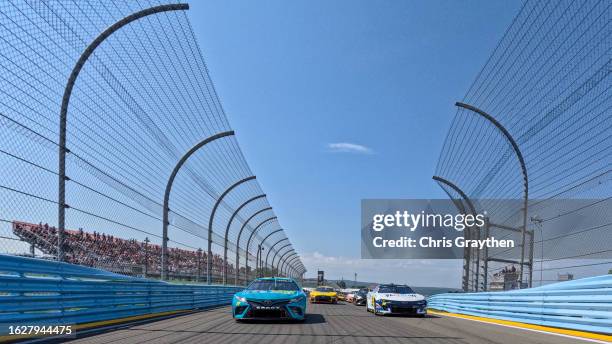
x: 141, y: 100
x: 548, y: 83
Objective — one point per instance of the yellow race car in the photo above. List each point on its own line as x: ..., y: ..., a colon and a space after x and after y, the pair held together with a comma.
x: 323, y: 294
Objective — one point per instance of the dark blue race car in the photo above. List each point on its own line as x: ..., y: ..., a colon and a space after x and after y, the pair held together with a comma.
x: 270, y: 298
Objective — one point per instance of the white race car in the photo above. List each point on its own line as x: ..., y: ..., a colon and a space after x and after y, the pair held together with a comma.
x: 395, y: 299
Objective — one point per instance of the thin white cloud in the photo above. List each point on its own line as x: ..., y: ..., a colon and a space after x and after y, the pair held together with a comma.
x: 346, y: 147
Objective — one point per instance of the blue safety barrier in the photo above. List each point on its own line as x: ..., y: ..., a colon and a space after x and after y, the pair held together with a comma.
x: 584, y: 304
x: 41, y: 292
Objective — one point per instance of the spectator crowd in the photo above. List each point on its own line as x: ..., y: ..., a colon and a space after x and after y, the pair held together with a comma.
x: 106, y: 251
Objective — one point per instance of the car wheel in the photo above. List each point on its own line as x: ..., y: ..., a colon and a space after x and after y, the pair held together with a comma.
x: 375, y: 311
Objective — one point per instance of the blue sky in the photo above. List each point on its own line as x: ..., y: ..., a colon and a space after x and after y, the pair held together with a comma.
x: 336, y: 101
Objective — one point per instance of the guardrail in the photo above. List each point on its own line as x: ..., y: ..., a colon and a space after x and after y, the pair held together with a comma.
x: 584, y: 304
x: 36, y: 291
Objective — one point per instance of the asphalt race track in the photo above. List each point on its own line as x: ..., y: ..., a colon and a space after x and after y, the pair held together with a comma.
x: 342, y: 323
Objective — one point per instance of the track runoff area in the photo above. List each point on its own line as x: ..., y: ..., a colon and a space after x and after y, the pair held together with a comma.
x: 333, y: 323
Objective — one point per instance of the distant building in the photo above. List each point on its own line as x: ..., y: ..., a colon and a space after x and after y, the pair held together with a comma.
x: 506, y: 279
x: 565, y: 277
x: 320, y: 277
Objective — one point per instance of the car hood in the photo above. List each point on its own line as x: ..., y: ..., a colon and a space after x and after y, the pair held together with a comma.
x: 402, y: 297
x: 323, y: 293
x: 269, y: 294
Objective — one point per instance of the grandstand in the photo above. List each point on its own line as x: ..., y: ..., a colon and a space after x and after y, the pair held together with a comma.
x: 131, y: 257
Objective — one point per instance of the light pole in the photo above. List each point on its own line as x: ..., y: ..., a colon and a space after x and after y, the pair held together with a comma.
x: 199, y: 275
x: 146, y: 264
x: 259, y: 249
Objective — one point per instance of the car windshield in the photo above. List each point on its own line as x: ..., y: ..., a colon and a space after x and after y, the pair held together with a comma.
x: 325, y: 289
x: 395, y: 289
x: 273, y: 285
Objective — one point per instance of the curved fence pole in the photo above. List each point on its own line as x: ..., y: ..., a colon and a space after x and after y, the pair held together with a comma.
x: 458, y: 190
x: 211, y: 219
x: 523, y: 166
x: 297, y: 271
x: 458, y: 203
x: 280, y: 260
x: 229, y: 224
x: 63, y: 118
x: 290, y: 267
x: 246, y: 258
x: 293, y: 267
x: 466, y: 251
x: 237, y: 272
x: 283, y: 259
x: 261, y: 245
x: 270, y: 250
x: 284, y: 265
x: 274, y: 257
x: 179, y: 164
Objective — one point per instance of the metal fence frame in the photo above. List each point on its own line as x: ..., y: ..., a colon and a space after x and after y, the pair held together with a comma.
x: 62, y: 150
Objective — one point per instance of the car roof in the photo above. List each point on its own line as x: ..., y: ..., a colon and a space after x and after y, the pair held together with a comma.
x: 275, y: 279
x: 393, y: 285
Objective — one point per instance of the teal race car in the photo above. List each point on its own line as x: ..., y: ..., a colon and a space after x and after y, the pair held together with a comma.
x: 270, y: 298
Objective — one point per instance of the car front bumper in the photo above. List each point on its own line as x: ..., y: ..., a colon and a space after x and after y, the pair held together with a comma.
x: 257, y: 310
x: 323, y: 299
x: 406, y: 308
